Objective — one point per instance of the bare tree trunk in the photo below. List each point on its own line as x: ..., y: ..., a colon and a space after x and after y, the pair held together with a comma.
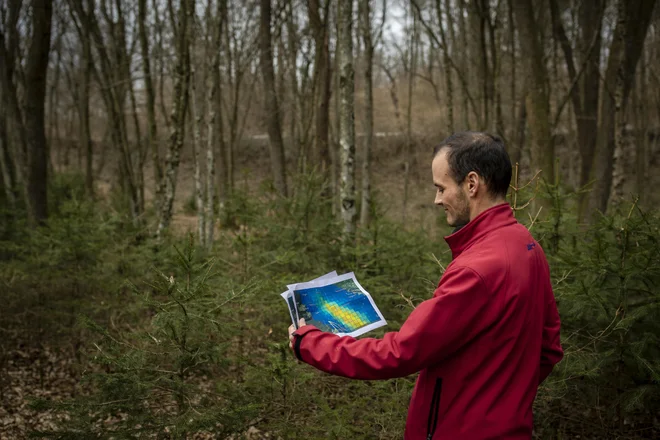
x: 322, y: 78
x: 622, y: 148
x: 214, y: 130
x: 585, y: 83
x: 497, y: 123
x: 272, y: 107
x: 479, y: 52
x: 447, y: 62
x: 394, y: 96
x: 141, y: 149
x: 292, y: 56
x: 6, y: 162
x: 365, y: 31
x: 641, y: 124
x: 465, y: 64
x: 197, y: 120
x: 179, y: 110
x: 35, y: 94
x: 223, y: 172
x: 629, y: 35
x: 518, y: 146
x: 409, y: 138
x: 538, y: 103
x: 53, y: 97
x: 85, y: 130
x: 113, y: 75
x: 513, y: 96
x: 10, y: 101
x: 347, y: 117
x: 158, y: 27
x: 152, y: 130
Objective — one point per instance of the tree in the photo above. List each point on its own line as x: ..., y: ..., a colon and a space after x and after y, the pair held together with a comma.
x: 364, y: 12
x: 152, y: 130
x: 179, y: 110
x: 585, y: 78
x: 538, y: 103
x: 633, y: 19
x: 272, y: 107
x: 14, y: 159
x: 412, y: 70
x: 318, y: 22
x: 346, y: 116
x: 214, y: 131
x: 28, y: 122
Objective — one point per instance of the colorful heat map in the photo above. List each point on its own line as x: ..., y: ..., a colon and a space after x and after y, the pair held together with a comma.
x: 336, y: 308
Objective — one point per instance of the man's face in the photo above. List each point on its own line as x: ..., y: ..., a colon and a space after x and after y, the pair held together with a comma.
x: 450, y: 195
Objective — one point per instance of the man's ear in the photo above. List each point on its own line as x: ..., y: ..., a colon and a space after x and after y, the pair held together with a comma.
x: 473, y: 183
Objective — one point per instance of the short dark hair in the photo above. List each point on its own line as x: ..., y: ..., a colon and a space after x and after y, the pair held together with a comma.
x: 482, y: 153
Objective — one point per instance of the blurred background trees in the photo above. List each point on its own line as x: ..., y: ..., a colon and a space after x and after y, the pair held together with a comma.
x: 566, y: 83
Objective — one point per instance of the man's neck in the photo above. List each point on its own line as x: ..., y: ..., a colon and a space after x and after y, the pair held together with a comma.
x: 484, y: 204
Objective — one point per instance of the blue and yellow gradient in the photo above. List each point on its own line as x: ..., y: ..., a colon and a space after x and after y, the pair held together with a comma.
x: 336, y: 308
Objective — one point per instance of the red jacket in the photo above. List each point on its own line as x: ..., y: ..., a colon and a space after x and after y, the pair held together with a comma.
x: 483, y: 343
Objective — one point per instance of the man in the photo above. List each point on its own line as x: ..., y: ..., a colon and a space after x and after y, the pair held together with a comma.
x: 490, y: 334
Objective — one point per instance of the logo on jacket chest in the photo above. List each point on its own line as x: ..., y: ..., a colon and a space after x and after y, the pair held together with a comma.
x: 531, y: 246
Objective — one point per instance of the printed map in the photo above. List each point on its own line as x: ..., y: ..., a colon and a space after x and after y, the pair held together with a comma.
x: 342, y: 307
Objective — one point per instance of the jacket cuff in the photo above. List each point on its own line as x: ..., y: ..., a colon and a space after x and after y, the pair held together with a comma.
x: 299, y: 335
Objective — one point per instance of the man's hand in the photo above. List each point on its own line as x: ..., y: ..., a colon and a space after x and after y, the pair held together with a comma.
x: 292, y: 329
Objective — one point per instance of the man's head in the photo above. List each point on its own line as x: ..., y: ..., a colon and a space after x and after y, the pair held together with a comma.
x: 472, y: 172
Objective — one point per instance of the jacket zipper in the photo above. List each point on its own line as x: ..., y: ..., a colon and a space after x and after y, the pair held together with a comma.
x: 434, y: 410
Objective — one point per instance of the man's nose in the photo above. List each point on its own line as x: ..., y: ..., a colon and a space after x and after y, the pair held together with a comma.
x: 438, y: 200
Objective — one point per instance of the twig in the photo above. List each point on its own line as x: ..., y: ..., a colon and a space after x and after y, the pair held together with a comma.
x: 533, y: 219
x: 407, y: 300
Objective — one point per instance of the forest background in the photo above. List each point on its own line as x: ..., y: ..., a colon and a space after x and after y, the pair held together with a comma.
x: 168, y: 165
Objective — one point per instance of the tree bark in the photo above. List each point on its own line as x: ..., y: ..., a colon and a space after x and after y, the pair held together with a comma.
x: 35, y: 95
x: 179, y: 110
x: 85, y: 130
x: 465, y: 64
x: 538, y: 104
x: 513, y: 95
x: 295, y: 125
x: 222, y: 167
x: 584, y: 94
x: 197, y: 120
x: 365, y: 32
x: 627, y: 43
x: 214, y: 130
x: 641, y: 124
x: 322, y: 76
x: 112, y: 75
x: 8, y: 86
x: 347, y: 117
x: 446, y: 62
x: 152, y: 131
x: 6, y: 162
x: 272, y: 107
x: 407, y: 154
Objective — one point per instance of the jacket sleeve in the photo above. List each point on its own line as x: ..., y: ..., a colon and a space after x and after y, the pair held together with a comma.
x: 551, y: 351
x: 459, y: 311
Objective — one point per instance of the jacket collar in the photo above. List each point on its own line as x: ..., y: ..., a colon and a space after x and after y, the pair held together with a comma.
x: 491, y: 219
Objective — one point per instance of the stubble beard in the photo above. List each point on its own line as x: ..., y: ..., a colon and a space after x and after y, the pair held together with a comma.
x: 462, y: 210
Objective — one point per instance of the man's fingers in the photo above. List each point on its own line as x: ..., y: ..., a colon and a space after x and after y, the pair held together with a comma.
x: 301, y: 322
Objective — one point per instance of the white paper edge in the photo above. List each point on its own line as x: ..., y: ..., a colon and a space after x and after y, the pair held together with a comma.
x: 336, y: 279
x: 289, y: 293
x: 286, y: 296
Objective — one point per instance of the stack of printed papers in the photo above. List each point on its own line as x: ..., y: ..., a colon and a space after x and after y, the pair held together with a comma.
x: 334, y: 303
